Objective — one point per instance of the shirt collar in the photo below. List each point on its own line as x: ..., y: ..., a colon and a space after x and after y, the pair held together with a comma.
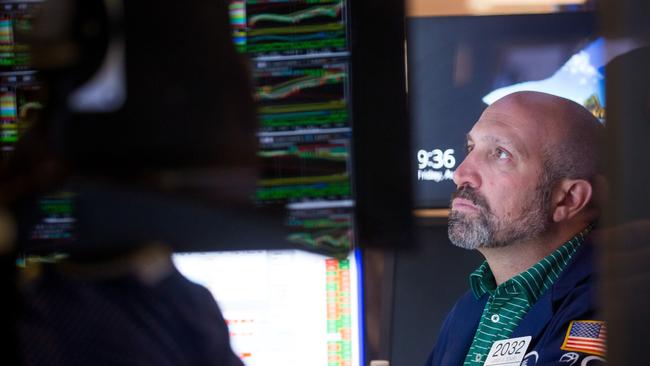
x: 548, y: 269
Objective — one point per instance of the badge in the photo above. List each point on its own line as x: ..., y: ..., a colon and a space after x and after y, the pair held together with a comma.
x: 508, y: 352
x: 586, y: 336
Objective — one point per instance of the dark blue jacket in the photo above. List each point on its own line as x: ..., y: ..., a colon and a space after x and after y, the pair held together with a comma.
x: 572, y: 297
x: 121, y: 321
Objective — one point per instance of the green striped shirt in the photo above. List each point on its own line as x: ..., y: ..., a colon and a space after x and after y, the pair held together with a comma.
x: 510, y: 301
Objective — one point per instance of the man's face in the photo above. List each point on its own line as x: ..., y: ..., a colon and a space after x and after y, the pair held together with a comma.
x: 503, y: 194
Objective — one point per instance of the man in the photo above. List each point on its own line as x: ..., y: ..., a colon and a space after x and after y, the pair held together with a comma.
x: 525, y: 200
x: 117, y: 298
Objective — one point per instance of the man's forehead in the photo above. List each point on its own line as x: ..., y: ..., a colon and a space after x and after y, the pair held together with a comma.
x: 504, y: 123
x: 528, y: 114
x: 519, y: 131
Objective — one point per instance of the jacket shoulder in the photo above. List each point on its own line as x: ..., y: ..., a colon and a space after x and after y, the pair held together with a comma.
x: 457, y: 331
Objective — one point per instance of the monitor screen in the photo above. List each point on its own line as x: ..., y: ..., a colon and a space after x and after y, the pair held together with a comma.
x: 285, y: 307
x: 457, y: 66
x: 20, y: 89
x: 319, y: 144
x: 300, y: 59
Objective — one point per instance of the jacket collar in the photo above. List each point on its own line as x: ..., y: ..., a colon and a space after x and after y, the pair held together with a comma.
x: 580, y: 268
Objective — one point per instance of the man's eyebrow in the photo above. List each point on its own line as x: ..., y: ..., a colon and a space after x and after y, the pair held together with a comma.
x: 508, y: 143
x: 497, y: 140
x: 488, y: 138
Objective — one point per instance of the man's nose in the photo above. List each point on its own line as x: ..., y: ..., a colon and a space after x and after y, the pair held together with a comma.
x: 466, y: 174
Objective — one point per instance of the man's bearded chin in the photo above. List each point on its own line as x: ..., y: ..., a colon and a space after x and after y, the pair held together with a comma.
x: 470, y: 232
x: 483, y: 229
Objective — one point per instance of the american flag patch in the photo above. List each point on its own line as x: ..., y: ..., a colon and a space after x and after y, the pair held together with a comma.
x: 587, y: 336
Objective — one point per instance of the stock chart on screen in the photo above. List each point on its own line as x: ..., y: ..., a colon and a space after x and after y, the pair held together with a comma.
x: 263, y: 27
x: 20, y: 98
x: 300, y: 58
x: 299, y: 94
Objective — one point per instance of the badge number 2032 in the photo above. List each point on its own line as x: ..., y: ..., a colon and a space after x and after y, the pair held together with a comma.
x: 508, y: 352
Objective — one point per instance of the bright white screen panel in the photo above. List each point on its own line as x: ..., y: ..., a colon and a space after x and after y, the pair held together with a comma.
x: 284, y: 307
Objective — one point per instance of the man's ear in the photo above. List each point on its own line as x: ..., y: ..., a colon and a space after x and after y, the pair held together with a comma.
x: 570, y: 197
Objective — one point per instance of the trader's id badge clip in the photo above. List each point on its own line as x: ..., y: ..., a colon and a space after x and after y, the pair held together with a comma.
x: 508, y: 352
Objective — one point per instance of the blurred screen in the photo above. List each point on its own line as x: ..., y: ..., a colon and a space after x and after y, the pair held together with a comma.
x: 285, y: 307
x: 20, y: 90
x: 300, y: 56
x: 300, y: 62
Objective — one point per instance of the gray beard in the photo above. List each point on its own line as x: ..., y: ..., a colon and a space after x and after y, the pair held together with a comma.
x: 485, y: 230
x: 470, y: 233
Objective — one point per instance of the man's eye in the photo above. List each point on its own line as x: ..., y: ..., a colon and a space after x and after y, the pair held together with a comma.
x: 469, y: 148
x: 502, y: 154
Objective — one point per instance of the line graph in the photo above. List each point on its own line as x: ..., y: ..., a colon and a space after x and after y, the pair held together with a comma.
x: 292, y: 27
x: 294, y: 86
x: 304, y: 191
x: 335, y: 152
x: 295, y: 30
x: 275, y: 182
x: 302, y: 94
x: 297, y: 38
x: 332, y: 11
x: 305, y: 168
x: 339, y: 239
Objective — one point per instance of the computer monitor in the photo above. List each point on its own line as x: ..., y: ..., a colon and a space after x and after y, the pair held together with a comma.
x: 457, y: 66
x: 285, y: 307
x: 300, y: 58
x: 326, y: 124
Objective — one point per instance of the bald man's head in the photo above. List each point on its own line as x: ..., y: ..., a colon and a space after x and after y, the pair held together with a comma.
x: 570, y: 133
